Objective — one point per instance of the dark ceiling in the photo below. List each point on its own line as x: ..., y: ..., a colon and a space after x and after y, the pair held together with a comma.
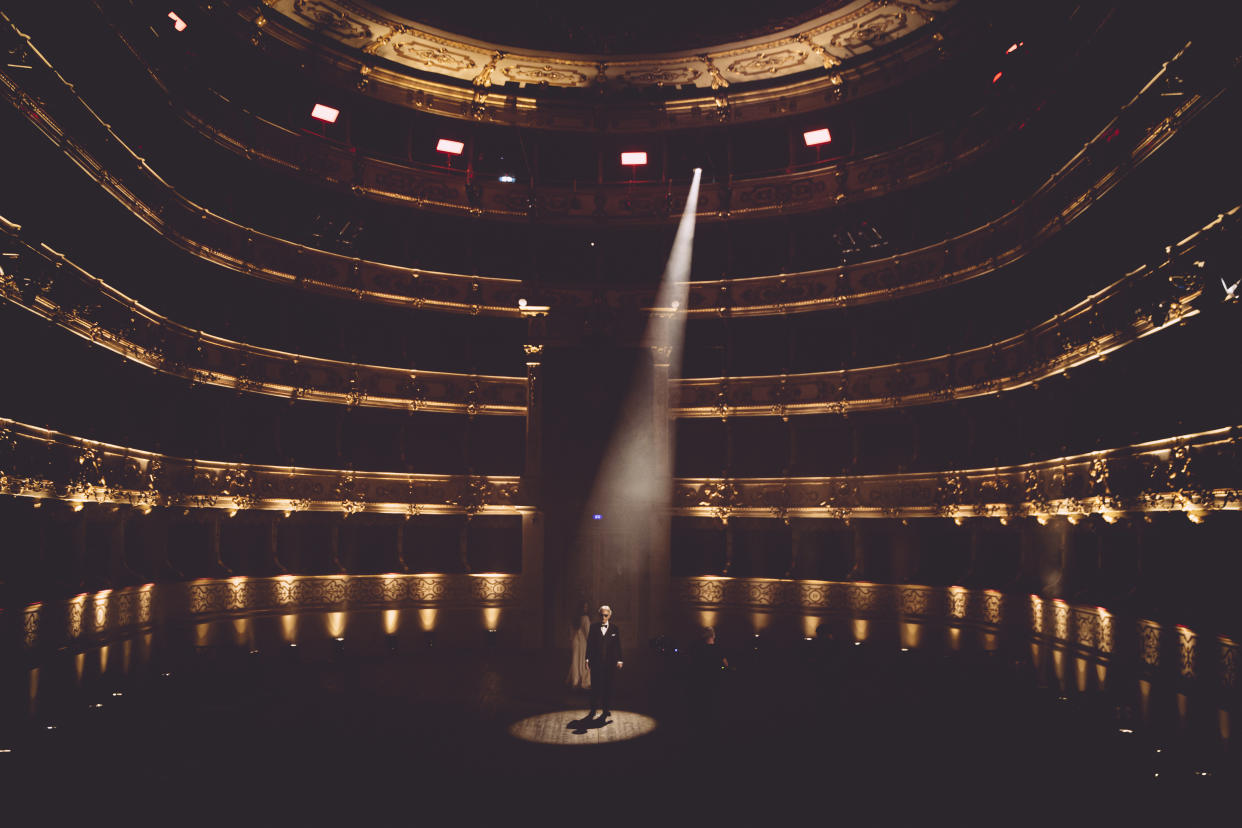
x: 626, y: 26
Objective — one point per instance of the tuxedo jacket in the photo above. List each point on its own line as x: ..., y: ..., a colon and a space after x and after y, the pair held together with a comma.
x: 604, y: 650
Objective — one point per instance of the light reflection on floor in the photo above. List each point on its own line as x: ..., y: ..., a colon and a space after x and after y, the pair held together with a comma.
x: 569, y: 727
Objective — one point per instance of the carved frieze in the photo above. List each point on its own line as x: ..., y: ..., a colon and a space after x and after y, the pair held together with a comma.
x: 850, y: 30
x: 328, y: 18
x: 1037, y: 489
x: 429, y: 56
x: 45, y: 463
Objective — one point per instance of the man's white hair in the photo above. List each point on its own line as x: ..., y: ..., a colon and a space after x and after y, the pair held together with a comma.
x: 603, y: 607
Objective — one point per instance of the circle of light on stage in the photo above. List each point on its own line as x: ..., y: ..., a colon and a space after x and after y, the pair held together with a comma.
x: 567, y: 727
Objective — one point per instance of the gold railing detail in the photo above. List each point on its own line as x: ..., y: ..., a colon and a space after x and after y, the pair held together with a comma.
x: 90, y: 308
x: 1191, y: 473
x: 967, y: 256
x: 1147, y: 300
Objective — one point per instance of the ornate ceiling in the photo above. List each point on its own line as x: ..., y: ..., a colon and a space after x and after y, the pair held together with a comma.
x: 643, y: 26
x: 824, y: 42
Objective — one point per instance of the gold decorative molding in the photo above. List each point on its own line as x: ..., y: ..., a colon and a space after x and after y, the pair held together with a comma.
x: 970, y: 255
x: 852, y: 32
x: 109, y: 319
x: 804, y: 91
x: 40, y: 463
x: 1189, y: 473
x: 1145, y: 301
x: 1159, y: 476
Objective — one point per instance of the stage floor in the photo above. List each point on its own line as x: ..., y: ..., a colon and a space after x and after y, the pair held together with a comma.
x: 489, y: 734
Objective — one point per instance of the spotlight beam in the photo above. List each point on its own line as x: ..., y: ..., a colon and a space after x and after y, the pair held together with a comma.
x: 635, y: 476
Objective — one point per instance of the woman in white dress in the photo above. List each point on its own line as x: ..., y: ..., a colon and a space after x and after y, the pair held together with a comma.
x: 579, y: 676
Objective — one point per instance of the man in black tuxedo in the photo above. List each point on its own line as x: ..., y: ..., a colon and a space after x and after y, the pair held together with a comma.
x: 603, y: 656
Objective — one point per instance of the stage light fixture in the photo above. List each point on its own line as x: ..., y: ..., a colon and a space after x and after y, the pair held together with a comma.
x: 597, y: 517
x: 178, y: 23
x: 507, y: 179
x: 449, y: 146
x: 324, y: 113
x: 1013, y: 47
x: 815, y: 137
x: 997, y: 76
x: 633, y: 159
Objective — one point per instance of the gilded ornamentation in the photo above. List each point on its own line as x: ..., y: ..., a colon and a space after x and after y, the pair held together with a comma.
x: 1060, y: 620
x: 778, y: 501
x: 341, y: 20
x: 950, y: 493
x: 1085, y: 628
x: 722, y: 401
x: 721, y: 496
x: 718, y: 80
x: 309, y: 592
x: 957, y: 603
x: 553, y: 76
x: 325, y: 17
x: 30, y: 626
x: 914, y: 601
x: 813, y: 594
x: 484, y: 78
x: 1149, y: 642
x: 74, y: 612
x: 660, y: 76
x: 768, y: 63
x: 436, y: 57
x: 1033, y: 491
x: 474, y: 494
x: 865, y: 599
x: 239, y: 484
x: 375, y: 45
x: 1187, y: 646
x: 350, y: 494
x: 830, y: 61
x: 1104, y: 641
x: 871, y: 32
x: 993, y: 604
x: 1098, y: 473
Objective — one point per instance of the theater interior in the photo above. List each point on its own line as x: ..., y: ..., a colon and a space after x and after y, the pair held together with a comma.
x: 356, y: 349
